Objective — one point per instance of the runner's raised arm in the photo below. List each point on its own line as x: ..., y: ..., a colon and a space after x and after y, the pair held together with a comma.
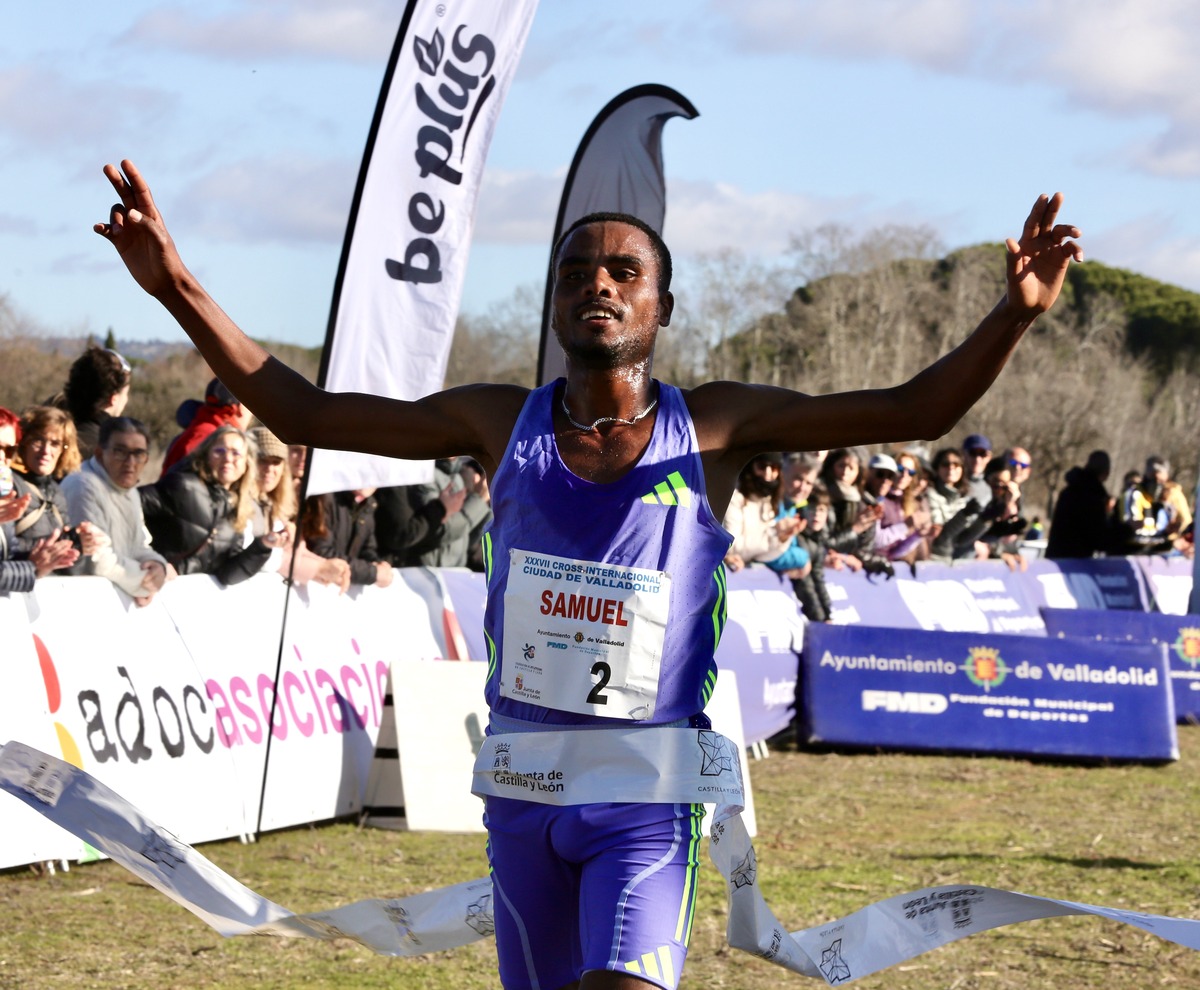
x: 475, y: 420
x: 742, y: 420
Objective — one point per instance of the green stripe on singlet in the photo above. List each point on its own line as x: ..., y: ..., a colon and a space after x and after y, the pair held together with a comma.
x: 687, y: 909
x: 720, y: 610
x: 487, y: 556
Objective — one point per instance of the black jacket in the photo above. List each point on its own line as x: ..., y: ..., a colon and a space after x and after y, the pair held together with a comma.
x: 404, y: 526
x: 191, y: 525
x: 349, y: 534
x: 1081, y: 525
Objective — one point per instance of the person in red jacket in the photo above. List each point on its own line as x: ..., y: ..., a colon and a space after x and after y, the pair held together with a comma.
x: 220, y: 408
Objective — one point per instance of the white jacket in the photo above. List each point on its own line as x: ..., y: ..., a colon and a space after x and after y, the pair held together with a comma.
x: 92, y: 497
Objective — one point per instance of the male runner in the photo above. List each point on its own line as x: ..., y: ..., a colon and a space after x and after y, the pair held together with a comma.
x: 605, y: 472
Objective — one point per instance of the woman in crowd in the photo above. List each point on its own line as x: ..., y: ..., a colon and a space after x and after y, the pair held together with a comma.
x: 199, y: 419
x: 20, y: 568
x: 200, y: 515
x: 852, y: 522
x: 276, y: 514
x: 994, y: 530
x: 948, y: 492
x: 97, y: 387
x: 905, y: 524
x: 759, y: 534
x: 47, y: 452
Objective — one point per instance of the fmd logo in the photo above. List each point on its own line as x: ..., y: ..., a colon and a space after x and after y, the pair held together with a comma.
x: 904, y: 702
x: 985, y: 668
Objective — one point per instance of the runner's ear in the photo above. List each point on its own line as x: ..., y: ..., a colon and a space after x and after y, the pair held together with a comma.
x: 666, y: 305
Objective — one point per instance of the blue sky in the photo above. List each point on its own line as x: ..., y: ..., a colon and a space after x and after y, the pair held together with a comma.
x: 248, y: 117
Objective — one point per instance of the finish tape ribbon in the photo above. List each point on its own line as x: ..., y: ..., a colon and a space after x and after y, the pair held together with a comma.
x: 873, y: 938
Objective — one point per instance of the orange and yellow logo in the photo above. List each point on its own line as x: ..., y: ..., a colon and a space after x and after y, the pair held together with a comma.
x: 985, y: 667
x: 1187, y: 645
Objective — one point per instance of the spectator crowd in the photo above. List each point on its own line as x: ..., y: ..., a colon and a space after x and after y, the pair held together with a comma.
x: 803, y: 512
x: 227, y: 502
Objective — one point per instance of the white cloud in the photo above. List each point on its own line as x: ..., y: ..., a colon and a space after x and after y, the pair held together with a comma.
x: 262, y: 200
x: 937, y: 33
x: 517, y: 207
x: 1128, y: 58
x: 1150, y: 245
x: 708, y: 216
x: 360, y: 31
x: 44, y: 110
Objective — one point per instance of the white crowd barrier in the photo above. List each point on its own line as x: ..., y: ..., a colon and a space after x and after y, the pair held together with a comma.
x: 170, y: 705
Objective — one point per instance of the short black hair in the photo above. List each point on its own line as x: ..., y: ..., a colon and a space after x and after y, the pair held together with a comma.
x: 661, y: 251
x: 121, y: 424
x: 95, y: 376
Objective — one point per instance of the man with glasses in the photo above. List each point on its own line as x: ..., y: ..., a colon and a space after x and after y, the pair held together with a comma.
x: 977, y: 451
x: 1020, y: 463
x: 104, y: 491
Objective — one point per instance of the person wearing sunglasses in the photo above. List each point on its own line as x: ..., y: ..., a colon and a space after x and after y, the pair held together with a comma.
x: 104, y: 490
x: 948, y: 490
x: 200, y: 514
x: 1019, y: 462
x: 906, y: 504
x: 976, y: 453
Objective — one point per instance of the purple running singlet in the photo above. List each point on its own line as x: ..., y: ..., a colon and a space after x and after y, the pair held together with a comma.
x: 620, y: 583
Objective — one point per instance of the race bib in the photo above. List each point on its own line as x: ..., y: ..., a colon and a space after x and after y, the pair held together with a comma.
x: 583, y: 637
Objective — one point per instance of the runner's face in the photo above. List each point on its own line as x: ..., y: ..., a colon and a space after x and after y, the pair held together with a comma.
x: 606, y: 306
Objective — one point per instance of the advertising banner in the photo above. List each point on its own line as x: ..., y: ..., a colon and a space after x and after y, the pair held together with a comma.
x: 135, y: 709
x: 30, y: 708
x: 1169, y: 581
x: 405, y: 253
x: 761, y: 646
x: 1180, y: 634
x: 986, y: 596
x: 1101, y: 582
x: 983, y: 693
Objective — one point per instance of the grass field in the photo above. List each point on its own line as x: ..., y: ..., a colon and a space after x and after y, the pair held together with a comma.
x: 835, y: 832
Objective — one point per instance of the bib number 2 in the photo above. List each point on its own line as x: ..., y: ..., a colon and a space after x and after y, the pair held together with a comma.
x: 596, y: 696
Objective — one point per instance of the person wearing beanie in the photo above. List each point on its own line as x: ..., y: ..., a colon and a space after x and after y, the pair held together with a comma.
x: 220, y: 408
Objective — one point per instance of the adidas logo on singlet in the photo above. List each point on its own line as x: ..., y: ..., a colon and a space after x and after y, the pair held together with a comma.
x: 673, y: 491
x: 660, y: 968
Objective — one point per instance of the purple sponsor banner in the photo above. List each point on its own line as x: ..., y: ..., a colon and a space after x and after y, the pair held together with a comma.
x: 1102, y: 582
x: 1180, y: 634
x: 987, y: 597
x: 1169, y: 581
x: 865, y: 599
x: 468, y: 595
x: 983, y: 693
x: 760, y: 644
x: 983, y: 596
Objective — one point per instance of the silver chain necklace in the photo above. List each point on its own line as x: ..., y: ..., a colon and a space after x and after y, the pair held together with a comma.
x: 605, y: 419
